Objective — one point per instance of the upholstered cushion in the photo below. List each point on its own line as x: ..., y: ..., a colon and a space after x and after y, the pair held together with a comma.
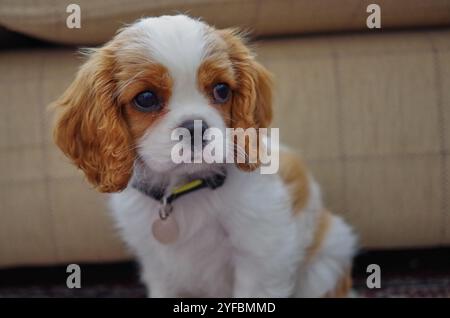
x: 46, y: 19
x: 369, y: 113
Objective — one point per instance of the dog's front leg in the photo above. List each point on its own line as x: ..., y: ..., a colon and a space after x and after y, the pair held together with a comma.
x: 265, y: 265
x: 157, y: 283
x: 156, y: 290
x: 252, y: 278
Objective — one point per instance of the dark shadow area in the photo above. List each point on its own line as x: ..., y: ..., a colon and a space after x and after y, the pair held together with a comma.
x: 404, y: 273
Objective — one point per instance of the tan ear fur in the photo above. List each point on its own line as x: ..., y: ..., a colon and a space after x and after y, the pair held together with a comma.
x: 90, y: 128
x: 252, y: 102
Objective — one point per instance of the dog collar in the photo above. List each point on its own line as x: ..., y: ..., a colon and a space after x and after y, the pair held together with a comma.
x: 165, y: 229
x: 158, y: 193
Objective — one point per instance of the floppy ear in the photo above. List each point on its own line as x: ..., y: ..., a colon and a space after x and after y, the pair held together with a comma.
x: 252, y: 101
x: 91, y: 129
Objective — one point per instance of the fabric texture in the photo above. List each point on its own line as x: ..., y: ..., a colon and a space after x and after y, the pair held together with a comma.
x: 370, y: 113
x: 46, y: 19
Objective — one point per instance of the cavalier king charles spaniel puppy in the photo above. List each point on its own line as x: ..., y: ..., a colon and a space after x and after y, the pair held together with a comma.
x: 198, y: 229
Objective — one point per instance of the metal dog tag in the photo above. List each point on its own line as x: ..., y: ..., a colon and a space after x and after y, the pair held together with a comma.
x: 165, y: 229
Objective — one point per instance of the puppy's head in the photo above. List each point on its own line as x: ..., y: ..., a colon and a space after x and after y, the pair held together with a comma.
x: 153, y: 77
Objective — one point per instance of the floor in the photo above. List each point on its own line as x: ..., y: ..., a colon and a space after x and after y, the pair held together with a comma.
x: 410, y: 273
x: 407, y: 273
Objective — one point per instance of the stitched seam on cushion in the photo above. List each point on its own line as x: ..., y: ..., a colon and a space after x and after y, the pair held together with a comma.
x: 442, y: 138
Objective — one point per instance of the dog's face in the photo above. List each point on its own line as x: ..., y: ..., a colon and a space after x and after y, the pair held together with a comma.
x: 157, y: 75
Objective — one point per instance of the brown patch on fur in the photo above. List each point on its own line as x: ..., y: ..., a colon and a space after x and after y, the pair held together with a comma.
x: 252, y: 99
x: 343, y: 286
x: 322, y: 227
x: 293, y: 172
x: 98, y: 125
x: 91, y: 129
x: 155, y: 78
x: 213, y: 70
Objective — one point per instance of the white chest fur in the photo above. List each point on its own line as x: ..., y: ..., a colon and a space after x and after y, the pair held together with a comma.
x: 240, y: 240
x: 228, y: 237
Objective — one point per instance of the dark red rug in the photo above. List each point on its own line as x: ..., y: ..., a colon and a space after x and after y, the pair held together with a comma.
x: 412, y: 273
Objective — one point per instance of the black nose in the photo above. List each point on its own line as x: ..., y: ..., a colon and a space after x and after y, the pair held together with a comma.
x: 191, y: 125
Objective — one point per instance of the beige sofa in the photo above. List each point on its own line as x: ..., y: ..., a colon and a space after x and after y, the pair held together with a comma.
x: 369, y: 110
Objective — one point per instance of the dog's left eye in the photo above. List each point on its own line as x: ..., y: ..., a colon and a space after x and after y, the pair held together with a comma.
x: 147, y: 101
x: 221, y: 93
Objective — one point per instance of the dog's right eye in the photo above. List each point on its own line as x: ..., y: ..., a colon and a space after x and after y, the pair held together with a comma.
x: 147, y: 101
